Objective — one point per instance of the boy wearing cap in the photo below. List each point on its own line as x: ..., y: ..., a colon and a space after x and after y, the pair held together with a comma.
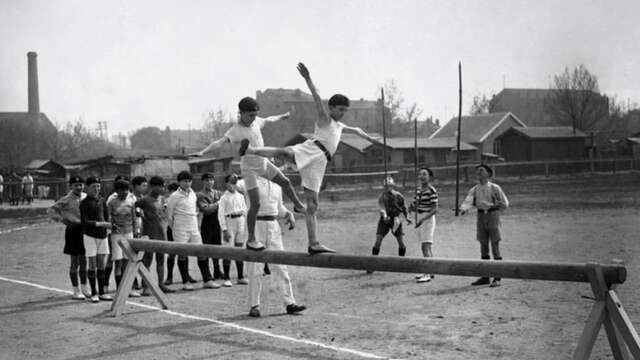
x: 182, y: 214
x: 208, y: 202
x: 490, y: 200
x: 67, y: 211
x: 94, y: 217
x: 248, y: 129
x: 154, y: 226
x: 312, y: 156
x: 425, y: 204
x: 231, y: 215
x: 391, y: 205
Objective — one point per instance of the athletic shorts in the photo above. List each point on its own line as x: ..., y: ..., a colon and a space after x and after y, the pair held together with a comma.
x: 311, y: 163
x: 95, y: 246
x: 250, y: 171
x: 183, y: 236
x: 426, y: 232
x: 116, y: 250
x: 385, y: 226
x: 73, y: 240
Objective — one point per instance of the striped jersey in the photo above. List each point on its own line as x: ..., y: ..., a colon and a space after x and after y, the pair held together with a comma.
x: 426, y: 199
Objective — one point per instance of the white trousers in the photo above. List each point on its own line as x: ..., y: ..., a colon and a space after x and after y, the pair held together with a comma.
x: 270, y: 233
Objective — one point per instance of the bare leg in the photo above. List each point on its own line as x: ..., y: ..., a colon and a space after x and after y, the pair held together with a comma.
x: 312, y: 206
x: 289, y: 191
x: 270, y: 151
x: 254, y: 198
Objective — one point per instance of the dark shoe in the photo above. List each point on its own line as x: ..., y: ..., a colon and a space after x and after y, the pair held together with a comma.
x: 169, y: 281
x: 495, y: 283
x: 317, y: 249
x: 166, y: 290
x: 267, y: 271
x: 369, y: 271
x: 255, y: 311
x: 481, y: 281
x: 146, y: 292
x: 255, y: 245
x: 244, y: 145
x: 294, y: 309
x: 191, y: 280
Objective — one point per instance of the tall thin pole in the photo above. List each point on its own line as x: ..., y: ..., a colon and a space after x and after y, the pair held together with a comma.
x: 415, y: 166
x: 458, y: 140
x: 384, y: 137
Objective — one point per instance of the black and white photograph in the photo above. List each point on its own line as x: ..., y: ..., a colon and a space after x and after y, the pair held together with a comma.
x: 366, y: 179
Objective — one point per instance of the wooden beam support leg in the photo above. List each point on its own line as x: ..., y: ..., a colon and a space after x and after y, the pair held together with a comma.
x: 146, y: 275
x: 590, y: 332
x: 124, y: 288
x: 623, y: 323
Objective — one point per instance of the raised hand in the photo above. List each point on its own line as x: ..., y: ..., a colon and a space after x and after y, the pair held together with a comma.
x: 303, y: 71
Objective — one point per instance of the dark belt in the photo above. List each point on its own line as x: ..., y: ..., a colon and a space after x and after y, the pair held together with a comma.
x: 481, y: 211
x: 266, y: 217
x: 324, y: 149
x: 233, y: 216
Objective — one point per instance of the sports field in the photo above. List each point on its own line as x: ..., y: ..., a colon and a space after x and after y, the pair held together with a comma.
x: 351, y: 314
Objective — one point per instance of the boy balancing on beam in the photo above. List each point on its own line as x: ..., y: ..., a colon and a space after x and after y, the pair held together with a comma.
x: 311, y: 157
x: 249, y: 128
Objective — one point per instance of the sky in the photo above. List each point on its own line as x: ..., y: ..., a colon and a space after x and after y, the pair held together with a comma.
x: 168, y: 63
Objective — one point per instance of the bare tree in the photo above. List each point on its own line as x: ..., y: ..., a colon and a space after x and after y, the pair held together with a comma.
x: 575, y: 97
x: 480, y: 105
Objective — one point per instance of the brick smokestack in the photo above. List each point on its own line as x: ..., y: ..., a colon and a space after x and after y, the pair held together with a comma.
x: 34, y: 98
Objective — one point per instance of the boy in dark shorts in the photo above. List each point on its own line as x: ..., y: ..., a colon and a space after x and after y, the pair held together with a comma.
x: 67, y: 211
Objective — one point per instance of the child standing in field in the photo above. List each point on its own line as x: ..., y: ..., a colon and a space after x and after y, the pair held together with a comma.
x: 94, y: 217
x: 490, y: 200
x: 425, y: 205
x: 231, y: 215
x: 123, y: 224
x: 67, y: 210
x: 391, y: 205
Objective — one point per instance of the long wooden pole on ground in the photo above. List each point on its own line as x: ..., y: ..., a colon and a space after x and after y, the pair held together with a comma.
x: 613, y: 273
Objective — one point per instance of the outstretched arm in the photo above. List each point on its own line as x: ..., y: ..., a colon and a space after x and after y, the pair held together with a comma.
x: 215, y: 145
x: 359, y: 132
x: 277, y: 117
x: 323, y: 116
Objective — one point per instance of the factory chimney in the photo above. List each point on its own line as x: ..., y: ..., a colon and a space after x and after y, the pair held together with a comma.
x: 34, y: 98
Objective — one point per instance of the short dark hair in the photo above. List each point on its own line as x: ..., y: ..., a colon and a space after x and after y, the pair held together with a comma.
x: 247, y: 104
x: 138, y: 180
x: 184, y: 175
x: 338, y: 99
x: 486, y: 167
x: 173, y: 186
x: 206, y: 176
x: 156, y: 181
x: 428, y: 170
x: 92, y: 180
x: 228, y: 178
x: 75, y: 179
x: 121, y: 185
x: 120, y: 177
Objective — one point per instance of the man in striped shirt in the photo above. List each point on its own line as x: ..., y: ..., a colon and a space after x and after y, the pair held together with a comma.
x: 425, y: 205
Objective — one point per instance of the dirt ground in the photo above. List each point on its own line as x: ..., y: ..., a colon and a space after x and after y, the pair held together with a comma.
x: 351, y: 314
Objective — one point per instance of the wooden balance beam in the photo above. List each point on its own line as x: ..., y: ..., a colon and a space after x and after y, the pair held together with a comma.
x: 607, y: 309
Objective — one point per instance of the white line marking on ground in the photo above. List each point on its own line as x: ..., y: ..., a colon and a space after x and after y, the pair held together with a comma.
x: 218, y: 322
x: 7, y: 231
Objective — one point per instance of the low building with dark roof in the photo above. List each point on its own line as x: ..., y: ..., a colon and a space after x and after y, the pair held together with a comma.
x: 46, y: 168
x: 480, y: 131
x: 539, y: 143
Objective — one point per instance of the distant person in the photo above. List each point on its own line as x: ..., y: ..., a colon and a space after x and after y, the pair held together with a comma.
x: 15, y: 189
x: 312, y: 156
x: 391, y: 206
x: 27, y: 188
x: 154, y: 226
x: 268, y: 228
x: 208, y: 202
x: 490, y: 200
x: 248, y: 128
x: 232, y: 211
x: 425, y: 204
x: 182, y: 214
x: 67, y: 211
x: 1, y: 188
x: 95, y: 223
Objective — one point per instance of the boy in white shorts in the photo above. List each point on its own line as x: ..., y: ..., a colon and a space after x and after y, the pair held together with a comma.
x: 123, y: 224
x: 312, y: 156
x: 182, y: 214
x: 94, y: 217
x: 249, y: 128
x: 231, y: 216
x: 425, y: 204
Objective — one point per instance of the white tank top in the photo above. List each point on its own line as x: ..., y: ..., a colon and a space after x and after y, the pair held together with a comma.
x: 329, y: 135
